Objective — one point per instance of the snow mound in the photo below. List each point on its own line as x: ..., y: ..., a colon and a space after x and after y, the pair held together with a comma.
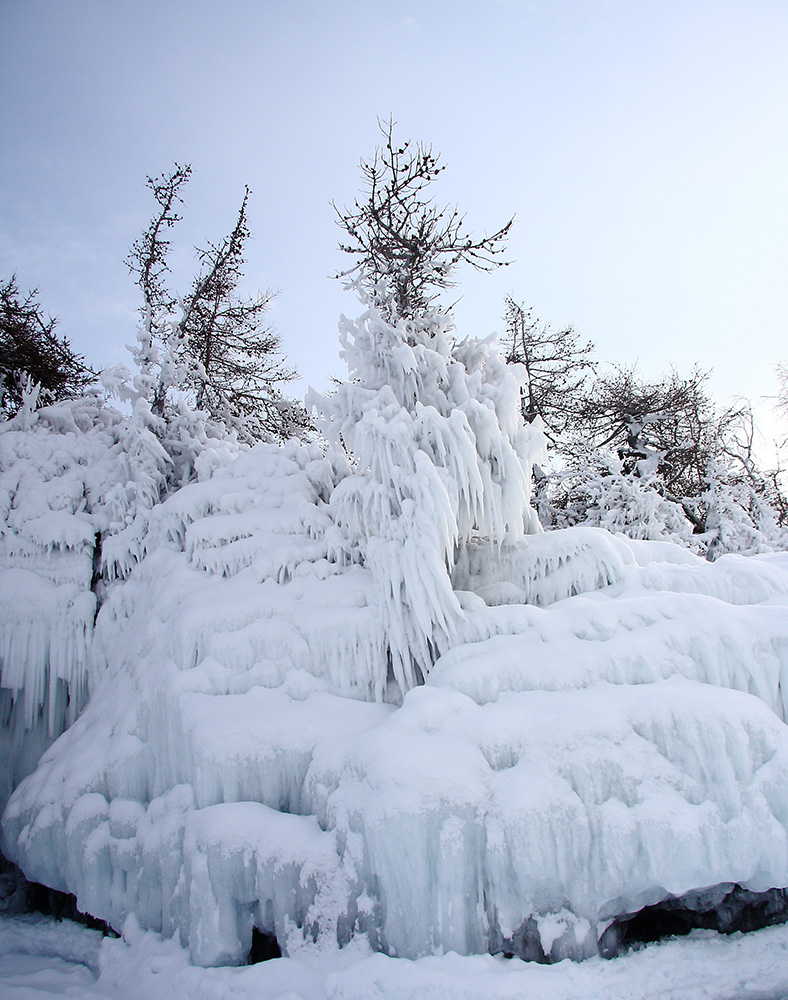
x: 631, y: 640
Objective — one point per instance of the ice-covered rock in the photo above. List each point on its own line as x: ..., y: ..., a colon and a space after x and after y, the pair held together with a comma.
x: 588, y: 803
x: 565, y: 764
x: 258, y: 750
x: 440, y: 825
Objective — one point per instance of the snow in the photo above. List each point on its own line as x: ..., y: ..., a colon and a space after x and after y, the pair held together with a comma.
x: 41, y: 959
x: 354, y: 698
x: 550, y: 567
x: 640, y: 636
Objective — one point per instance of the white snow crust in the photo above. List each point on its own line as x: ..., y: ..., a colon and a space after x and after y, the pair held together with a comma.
x: 41, y: 959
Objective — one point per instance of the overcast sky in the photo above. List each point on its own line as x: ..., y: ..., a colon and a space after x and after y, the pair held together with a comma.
x: 641, y: 144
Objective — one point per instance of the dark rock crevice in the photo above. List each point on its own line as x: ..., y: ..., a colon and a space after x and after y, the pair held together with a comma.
x: 264, y: 947
x: 738, y: 910
x: 17, y: 896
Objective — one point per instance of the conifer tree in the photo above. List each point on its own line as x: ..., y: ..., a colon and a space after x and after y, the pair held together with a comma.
x: 32, y: 353
x: 210, y: 347
x: 405, y: 247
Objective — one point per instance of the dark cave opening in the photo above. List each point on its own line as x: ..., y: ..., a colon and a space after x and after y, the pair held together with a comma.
x: 264, y: 948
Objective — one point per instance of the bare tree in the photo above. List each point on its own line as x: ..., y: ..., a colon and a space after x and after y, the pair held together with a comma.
x: 400, y: 239
x: 668, y: 425
x: 558, y: 366
x: 782, y: 395
x: 148, y: 260
x: 219, y: 350
x: 148, y: 255
x: 238, y: 366
x: 31, y: 351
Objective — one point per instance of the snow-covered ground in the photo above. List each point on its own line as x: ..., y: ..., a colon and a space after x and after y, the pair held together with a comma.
x: 41, y: 959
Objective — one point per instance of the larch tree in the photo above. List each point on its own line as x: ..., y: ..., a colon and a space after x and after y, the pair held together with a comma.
x: 659, y: 460
x: 667, y: 427
x: 157, y: 339
x: 782, y: 396
x: 211, y: 346
x: 405, y: 247
x: 428, y: 427
x: 238, y: 366
x: 558, y: 364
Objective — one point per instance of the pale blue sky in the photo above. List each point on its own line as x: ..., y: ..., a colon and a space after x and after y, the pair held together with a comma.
x: 642, y: 146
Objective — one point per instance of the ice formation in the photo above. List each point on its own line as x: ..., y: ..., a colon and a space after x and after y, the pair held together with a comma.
x: 439, y: 456
x: 78, y: 482
x: 601, y: 727
x: 77, y: 479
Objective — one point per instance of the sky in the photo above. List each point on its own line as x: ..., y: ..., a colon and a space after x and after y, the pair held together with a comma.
x: 642, y: 146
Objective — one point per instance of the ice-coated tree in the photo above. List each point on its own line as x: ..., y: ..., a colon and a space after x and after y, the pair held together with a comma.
x: 210, y: 348
x: 661, y: 461
x: 636, y: 458
x: 430, y: 427
x: 439, y: 459
x: 78, y: 480
x: 31, y: 353
x: 741, y: 514
x: 743, y: 506
x: 668, y: 427
x: 592, y: 488
x: 558, y: 365
x: 405, y: 247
